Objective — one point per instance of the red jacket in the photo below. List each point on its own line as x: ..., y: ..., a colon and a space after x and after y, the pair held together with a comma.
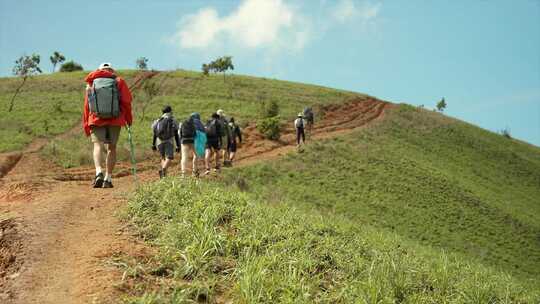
x: 90, y: 119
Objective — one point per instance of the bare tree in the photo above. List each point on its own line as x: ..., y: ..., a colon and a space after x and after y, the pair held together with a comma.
x: 25, y: 67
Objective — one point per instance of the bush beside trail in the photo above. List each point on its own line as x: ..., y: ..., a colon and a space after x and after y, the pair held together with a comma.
x: 221, y: 244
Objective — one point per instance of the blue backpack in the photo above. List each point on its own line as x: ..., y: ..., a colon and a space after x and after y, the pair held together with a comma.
x: 200, y: 143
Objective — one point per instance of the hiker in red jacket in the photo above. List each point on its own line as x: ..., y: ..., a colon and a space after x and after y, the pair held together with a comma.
x: 107, y: 107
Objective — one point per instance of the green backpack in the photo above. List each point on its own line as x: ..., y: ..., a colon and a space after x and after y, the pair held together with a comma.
x: 103, y: 98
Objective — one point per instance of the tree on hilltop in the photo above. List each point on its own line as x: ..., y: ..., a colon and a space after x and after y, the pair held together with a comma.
x: 441, y: 105
x: 220, y: 65
x: 56, y: 58
x: 25, y: 67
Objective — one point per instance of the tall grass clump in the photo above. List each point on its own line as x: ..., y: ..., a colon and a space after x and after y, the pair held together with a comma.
x: 219, y: 245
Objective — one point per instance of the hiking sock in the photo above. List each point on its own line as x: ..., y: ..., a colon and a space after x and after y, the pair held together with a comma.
x: 98, y: 171
x: 108, y: 177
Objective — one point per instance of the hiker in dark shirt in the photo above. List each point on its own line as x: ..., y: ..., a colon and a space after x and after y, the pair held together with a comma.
x: 213, y: 142
x: 232, y: 144
x: 165, y: 131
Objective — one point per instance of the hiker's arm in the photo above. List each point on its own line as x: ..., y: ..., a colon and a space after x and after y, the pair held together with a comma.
x: 177, y: 139
x: 239, y: 134
x: 86, y: 114
x: 218, y: 129
x: 126, y: 98
x: 177, y: 133
x: 154, y: 138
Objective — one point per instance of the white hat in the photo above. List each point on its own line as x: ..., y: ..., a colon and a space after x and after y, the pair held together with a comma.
x: 220, y: 112
x: 105, y: 65
x: 300, y: 114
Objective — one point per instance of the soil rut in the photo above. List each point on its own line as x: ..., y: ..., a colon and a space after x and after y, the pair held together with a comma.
x: 56, y: 241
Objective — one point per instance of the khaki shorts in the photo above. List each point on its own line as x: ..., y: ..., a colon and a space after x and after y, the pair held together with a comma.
x: 105, y: 134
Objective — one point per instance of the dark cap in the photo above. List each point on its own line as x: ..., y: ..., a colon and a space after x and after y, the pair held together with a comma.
x: 166, y: 109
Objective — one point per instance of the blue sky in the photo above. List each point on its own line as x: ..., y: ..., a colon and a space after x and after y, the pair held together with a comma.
x: 482, y: 56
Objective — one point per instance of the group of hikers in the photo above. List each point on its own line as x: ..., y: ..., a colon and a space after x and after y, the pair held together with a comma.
x: 217, y: 139
x: 107, y: 108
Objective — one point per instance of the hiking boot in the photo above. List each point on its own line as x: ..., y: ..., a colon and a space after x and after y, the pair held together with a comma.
x: 195, y: 174
x: 98, y: 181
x: 107, y: 184
x: 207, y: 172
x: 161, y: 174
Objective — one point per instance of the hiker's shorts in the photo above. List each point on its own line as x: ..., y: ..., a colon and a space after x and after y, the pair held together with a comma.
x: 231, y: 146
x: 105, y: 134
x: 212, y: 143
x: 300, y: 135
x: 166, y: 150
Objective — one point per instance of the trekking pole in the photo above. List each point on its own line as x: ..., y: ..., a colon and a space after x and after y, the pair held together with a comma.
x: 132, y: 152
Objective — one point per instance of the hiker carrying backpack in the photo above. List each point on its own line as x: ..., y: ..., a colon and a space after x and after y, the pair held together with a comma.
x: 232, y: 144
x: 299, y: 126
x: 213, y: 142
x: 187, y: 131
x: 165, y: 129
x: 107, y: 108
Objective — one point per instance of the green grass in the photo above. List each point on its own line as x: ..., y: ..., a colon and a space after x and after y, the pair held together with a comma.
x: 216, y: 244
x: 431, y: 179
x: 185, y: 91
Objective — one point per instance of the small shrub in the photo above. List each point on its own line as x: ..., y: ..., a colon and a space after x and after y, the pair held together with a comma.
x: 71, y: 66
x: 270, y: 127
x: 506, y: 133
x: 269, y: 109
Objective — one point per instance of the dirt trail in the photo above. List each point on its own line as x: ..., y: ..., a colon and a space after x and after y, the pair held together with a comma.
x: 55, y: 242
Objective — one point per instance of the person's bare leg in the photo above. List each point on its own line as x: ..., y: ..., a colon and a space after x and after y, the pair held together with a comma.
x: 98, y: 157
x: 207, y: 158
x: 165, y: 164
x: 111, y: 159
x: 195, y: 170
x: 231, y: 156
x: 217, y: 152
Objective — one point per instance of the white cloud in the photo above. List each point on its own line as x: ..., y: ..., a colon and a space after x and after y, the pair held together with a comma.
x: 254, y: 24
x: 347, y: 10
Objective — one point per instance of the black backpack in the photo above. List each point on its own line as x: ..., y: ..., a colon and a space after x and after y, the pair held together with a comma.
x: 164, y: 129
x: 188, y: 129
x: 211, y: 128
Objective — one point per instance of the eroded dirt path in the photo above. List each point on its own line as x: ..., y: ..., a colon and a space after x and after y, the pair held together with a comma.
x: 58, y: 233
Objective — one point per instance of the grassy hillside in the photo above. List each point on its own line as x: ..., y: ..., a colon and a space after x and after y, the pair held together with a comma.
x: 218, y: 245
x: 417, y: 208
x: 51, y: 104
x: 426, y: 177
x: 46, y: 106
